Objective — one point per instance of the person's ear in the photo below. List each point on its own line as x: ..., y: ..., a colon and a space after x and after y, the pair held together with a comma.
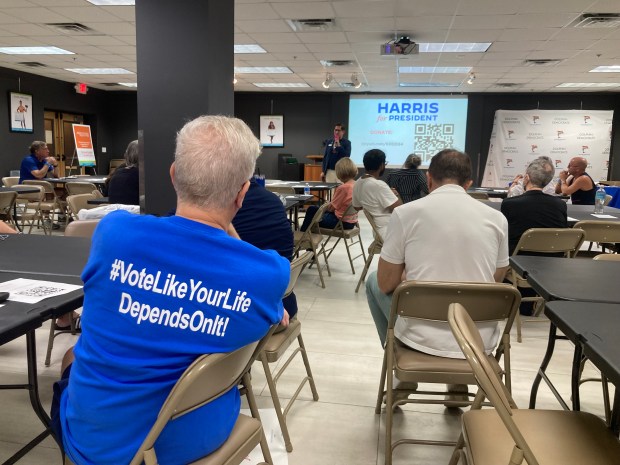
x: 241, y: 194
x: 468, y: 184
x: 172, y: 173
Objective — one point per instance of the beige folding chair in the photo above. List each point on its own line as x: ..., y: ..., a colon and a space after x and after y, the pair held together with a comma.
x: 608, y: 257
x: 280, y: 190
x: 76, y: 188
x: 373, y: 249
x: 543, y: 241
x: 429, y: 301
x: 7, y: 203
x: 78, y: 202
x: 479, y: 195
x: 346, y: 235
x: 277, y: 345
x: 312, y: 238
x: 29, y: 209
x: 507, y: 435
x: 209, y: 377
x: 114, y: 164
x: 605, y: 233
x: 10, y: 181
x: 51, y: 205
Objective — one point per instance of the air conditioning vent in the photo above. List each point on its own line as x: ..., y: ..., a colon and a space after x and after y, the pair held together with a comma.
x: 542, y: 62
x: 337, y: 63
x: 72, y: 28
x: 32, y: 64
x: 597, y: 20
x: 310, y: 25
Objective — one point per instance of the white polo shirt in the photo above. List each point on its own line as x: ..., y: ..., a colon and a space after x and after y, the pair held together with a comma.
x: 374, y: 196
x: 446, y: 236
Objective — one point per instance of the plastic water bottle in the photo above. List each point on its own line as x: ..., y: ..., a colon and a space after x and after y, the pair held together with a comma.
x: 307, y: 189
x: 599, y: 200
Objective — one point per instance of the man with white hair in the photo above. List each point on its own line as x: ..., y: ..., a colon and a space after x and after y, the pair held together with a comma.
x: 158, y: 293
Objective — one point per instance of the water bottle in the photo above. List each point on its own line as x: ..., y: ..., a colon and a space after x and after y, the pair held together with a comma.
x: 599, y: 200
x: 307, y: 189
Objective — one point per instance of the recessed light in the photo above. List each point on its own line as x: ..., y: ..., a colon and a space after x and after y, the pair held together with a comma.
x: 606, y: 69
x: 262, y: 70
x: 280, y: 84
x: 434, y: 69
x: 99, y: 70
x: 589, y: 84
x: 454, y: 47
x: 112, y: 2
x: 249, y: 48
x: 35, y: 51
x: 129, y: 84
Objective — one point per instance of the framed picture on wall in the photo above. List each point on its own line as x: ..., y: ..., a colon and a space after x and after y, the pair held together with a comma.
x: 272, y: 130
x: 20, y: 117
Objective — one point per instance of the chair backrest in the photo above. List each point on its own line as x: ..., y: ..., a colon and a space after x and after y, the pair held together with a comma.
x: 7, y: 200
x: 551, y: 240
x: 79, y: 201
x: 600, y: 231
x: 75, y: 188
x: 608, y: 257
x: 479, y: 195
x: 430, y: 301
x: 297, y: 266
x: 49, y: 189
x: 373, y: 224
x: 115, y: 163
x: 81, y: 228
x: 280, y: 189
x: 316, y: 219
x: 468, y: 338
x: 10, y: 181
x: 203, y: 381
x: 33, y: 196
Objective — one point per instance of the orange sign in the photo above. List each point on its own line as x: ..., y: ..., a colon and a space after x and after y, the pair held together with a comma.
x: 84, y: 145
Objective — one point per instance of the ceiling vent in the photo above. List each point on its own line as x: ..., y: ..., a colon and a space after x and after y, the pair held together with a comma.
x: 32, y: 64
x: 507, y: 85
x: 597, y: 20
x: 337, y: 63
x: 72, y: 28
x: 542, y: 62
x: 311, y: 25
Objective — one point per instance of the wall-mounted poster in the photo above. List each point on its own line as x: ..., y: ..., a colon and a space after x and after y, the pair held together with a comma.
x: 272, y: 131
x: 21, y: 112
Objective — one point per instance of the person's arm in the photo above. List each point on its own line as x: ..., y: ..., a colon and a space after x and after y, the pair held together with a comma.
x: 398, y: 203
x: 339, y: 199
x: 389, y: 275
x: 500, y: 274
x: 344, y: 150
x: 54, y: 166
x: 5, y: 228
x: 581, y: 183
x: 41, y: 173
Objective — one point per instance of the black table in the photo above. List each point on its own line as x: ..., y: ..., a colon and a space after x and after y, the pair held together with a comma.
x: 593, y: 328
x: 492, y: 192
x: 20, y: 189
x: 576, y: 212
x: 99, y: 201
x: 18, y: 319
x: 293, y: 202
x: 299, y: 186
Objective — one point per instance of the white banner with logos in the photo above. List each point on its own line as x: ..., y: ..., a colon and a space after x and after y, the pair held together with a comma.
x: 519, y: 137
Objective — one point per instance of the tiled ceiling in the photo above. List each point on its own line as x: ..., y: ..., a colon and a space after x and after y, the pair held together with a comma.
x: 518, y: 30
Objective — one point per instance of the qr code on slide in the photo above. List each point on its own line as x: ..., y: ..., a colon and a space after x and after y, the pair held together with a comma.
x: 40, y: 291
x: 429, y: 139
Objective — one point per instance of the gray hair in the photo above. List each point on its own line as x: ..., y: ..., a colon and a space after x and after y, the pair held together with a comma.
x: 36, y: 145
x: 412, y: 161
x: 540, y: 171
x: 131, y: 154
x: 214, y: 157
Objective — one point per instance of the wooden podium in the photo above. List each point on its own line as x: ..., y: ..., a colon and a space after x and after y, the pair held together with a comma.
x: 312, y: 172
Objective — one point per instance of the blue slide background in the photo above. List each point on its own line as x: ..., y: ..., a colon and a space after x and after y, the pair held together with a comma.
x: 403, y: 125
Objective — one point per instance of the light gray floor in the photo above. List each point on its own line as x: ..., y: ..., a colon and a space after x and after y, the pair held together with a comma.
x: 345, y: 355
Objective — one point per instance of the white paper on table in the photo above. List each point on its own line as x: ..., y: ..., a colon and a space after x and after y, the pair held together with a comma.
x: 31, y: 291
x: 602, y: 216
x: 570, y: 218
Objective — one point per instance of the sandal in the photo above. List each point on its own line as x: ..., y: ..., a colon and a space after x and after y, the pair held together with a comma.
x: 77, y: 322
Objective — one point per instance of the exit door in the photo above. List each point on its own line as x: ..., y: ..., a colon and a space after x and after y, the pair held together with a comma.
x: 59, y: 139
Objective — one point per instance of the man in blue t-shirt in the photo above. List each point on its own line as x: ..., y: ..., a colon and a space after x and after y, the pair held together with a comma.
x: 38, y: 164
x: 170, y: 290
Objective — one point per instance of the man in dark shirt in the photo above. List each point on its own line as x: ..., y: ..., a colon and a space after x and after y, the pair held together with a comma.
x: 38, y: 164
x: 534, y: 209
x: 574, y: 181
x: 335, y: 149
x: 262, y: 222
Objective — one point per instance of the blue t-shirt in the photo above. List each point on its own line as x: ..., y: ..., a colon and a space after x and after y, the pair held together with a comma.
x: 29, y: 164
x: 158, y: 293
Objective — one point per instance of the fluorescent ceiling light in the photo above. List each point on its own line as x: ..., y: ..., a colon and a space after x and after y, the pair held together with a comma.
x: 35, y: 51
x: 434, y: 69
x: 112, y: 2
x: 589, y: 84
x: 454, y: 47
x: 262, y: 70
x: 429, y: 84
x: 606, y: 69
x: 99, y: 70
x: 280, y: 84
x: 129, y: 84
x: 249, y: 48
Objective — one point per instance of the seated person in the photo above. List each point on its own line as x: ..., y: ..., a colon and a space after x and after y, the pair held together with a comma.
x: 372, y: 194
x: 123, y: 186
x: 38, y: 164
x: 262, y: 222
x: 574, y: 181
x: 409, y: 181
x: 517, y: 186
x: 346, y: 172
x: 5, y: 228
x: 173, y: 289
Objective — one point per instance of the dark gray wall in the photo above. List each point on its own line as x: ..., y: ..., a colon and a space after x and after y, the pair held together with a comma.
x: 112, y: 116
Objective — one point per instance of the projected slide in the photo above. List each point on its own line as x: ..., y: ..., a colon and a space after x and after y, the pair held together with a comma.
x: 408, y: 124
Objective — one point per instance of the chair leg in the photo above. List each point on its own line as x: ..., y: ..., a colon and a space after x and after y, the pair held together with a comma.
x: 247, y: 383
x: 304, y: 356
x: 381, y: 385
x: 50, y: 345
x: 346, y: 244
x: 365, y: 270
x: 276, y: 403
x: 518, y: 322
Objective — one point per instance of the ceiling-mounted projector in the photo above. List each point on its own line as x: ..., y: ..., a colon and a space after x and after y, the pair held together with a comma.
x: 399, y: 47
